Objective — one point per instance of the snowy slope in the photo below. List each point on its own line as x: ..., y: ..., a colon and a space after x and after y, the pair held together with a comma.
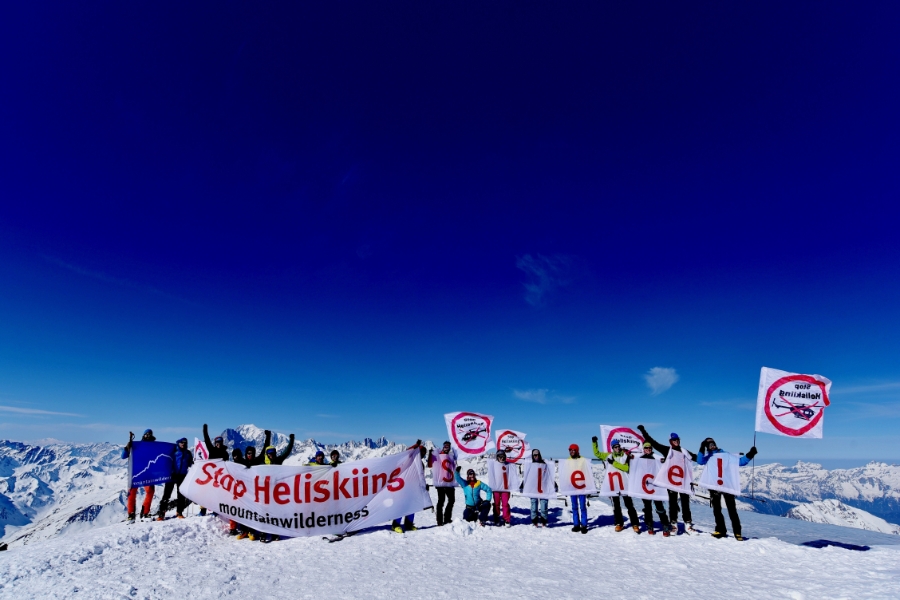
x: 194, y: 559
x: 836, y: 512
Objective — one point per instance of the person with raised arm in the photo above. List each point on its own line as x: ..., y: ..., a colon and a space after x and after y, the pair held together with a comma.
x: 148, y: 489
x: 252, y: 458
x: 273, y: 457
x: 216, y: 448
x: 477, y: 508
x: 619, y: 459
x: 674, y: 497
x: 443, y: 466
x: 708, y: 448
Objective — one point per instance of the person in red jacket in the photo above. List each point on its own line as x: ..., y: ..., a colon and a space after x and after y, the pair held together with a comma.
x: 148, y: 489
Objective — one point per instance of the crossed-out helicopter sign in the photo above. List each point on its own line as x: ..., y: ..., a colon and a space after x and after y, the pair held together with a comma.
x: 469, y: 432
x: 791, y: 404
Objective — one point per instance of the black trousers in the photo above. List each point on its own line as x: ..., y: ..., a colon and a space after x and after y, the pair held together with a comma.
x: 445, y: 513
x: 660, y: 510
x: 180, y: 503
x: 685, y: 507
x: 715, y: 500
x: 629, y: 506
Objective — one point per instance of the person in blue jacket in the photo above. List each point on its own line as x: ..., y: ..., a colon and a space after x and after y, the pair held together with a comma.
x: 183, y: 461
x: 708, y: 447
x: 476, y: 507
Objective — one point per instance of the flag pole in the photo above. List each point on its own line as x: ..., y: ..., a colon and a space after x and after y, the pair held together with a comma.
x: 753, y: 468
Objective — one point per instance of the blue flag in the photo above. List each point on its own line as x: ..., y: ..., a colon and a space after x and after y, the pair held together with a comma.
x: 151, y: 463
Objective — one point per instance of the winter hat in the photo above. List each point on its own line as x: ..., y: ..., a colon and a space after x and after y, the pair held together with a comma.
x: 320, y: 453
x: 470, y: 472
x: 647, y: 445
x: 674, y: 436
x: 182, y: 440
x: 573, y: 447
x: 236, y: 453
x: 501, y: 453
x: 146, y: 431
x: 219, y: 439
x: 615, y: 443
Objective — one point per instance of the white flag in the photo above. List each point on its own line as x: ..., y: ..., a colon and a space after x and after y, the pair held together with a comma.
x: 628, y: 438
x: 503, y: 477
x: 722, y: 473
x: 538, y: 480
x: 576, y: 477
x: 791, y: 404
x: 513, y: 443
x: 641, y: 472
x: 470, y: 433
x: 614, y: 482
x: 676, y: 473
x: 200, y: 452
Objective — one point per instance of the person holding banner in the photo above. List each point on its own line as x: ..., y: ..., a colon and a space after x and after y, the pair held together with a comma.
x: 476, y: 507
x: 708, y: 449
x: 619, y: 460
x: 442, y: 468
x: 335, y: 457
x: 674, y: 446
x: 148, y: 489
x: 183, y: 461
x: 538, y: 479
x: 502, y: 477
x: 318, y: 460
x: 647, y: 453
x: 579, y: 501
x: 409, y: 520
x: 215, y: 449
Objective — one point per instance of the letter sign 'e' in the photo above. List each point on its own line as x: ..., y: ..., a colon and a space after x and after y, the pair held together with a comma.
x: 578, y: 480
x: 676, y: 472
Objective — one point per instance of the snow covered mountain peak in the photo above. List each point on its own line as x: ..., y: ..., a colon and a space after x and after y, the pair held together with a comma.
x: 835, y: 512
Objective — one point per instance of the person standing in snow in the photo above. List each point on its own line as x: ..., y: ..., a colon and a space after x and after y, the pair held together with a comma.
x: 501, y: 499
x: 674, y: 497
x: 538, y: 505
x: 579, y: 502
x: 708, y: 448
x: 408, y: 521
x: 619, y: 459
x: 216, y: 449
x: 446, y: 490
x: 272, y: 457
x: 183, y: 461
x: 148, y: 489
x: 476, y: 507
x: 647, y: 453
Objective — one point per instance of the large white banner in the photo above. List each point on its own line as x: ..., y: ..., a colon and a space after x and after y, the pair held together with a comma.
x: 722, y: 473
x: 538, y: 480
x: 513, y: 443
x: 641, y: 473
x: 470, y: 433
x: 676, y: 473
x: 614, y: 482
x: 503, y: 477
x: 575, y: 477
x: 303, y: 501
x: 443, y: 467
x: 630, y: 439
x: 791, y: 404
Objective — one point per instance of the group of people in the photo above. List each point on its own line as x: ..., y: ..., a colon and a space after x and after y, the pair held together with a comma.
x: 479, y: 498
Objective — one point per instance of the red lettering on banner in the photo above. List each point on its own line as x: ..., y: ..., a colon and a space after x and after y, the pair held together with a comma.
x: 226, y: 482
x: 614, y: 475
x: 540, y: 481
x: 395, y: 481
x: 378, y: 477
x: 355, y: 483
x: 577, y: 480
x: 676, y: 472
x: 209, y: 476
x: 365, y: 482
x: 240, y: 488
x: 340, y: 486
x: 216, y: 477
x: 281, y: 493
x: 321, y: 487
x: 447, y: 472
x: 719, y: 462
x: 644, y: 481
x: 264, y: 489
x: 297, y: 498
x: 505, y: 479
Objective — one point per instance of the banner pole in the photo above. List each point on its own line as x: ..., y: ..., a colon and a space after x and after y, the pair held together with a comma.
x: 753, y: 468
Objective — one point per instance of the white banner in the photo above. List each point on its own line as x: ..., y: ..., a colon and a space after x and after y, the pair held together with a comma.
x: 513, y: 443
x: 200, y: 452
x: 614, y: 482
x: 537, y: 480
x: 641, y: 472
x: 630, y: 439
x: 722, y: 473
x: 575, y: 477
x: 676, y: 473
x: 470, y: 433
x: 443, y: 467
x: 791, y: 404
x: 304, y: 501
x: 503, y: 477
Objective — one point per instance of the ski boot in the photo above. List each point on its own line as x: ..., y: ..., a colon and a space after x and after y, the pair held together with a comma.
x: 651, y: 531
x: 739, y: 537
x: 637, y: 529
x: 397, y: 529
x: 620, y: 527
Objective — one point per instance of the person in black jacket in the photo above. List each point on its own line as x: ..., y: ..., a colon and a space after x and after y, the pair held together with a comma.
x: 251, y: 458
x: 647, y: 453
x: 674, y: 446
x: 183, y: 461
x: 216, y: 448
x: 273, y: 458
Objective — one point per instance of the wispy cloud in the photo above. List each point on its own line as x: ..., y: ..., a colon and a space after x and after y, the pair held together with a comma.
x: 659, y: 379
x: 36, y: 412
x: 542, y: 396
x: 545, y: 274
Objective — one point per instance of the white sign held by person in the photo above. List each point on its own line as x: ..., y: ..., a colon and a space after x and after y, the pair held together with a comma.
x: 722, y: 473
x: 538, y: 480
x: 443, y: 468
x: 614, y: 482
x: 630, y: 440
x: 200, y: 452
x: 641, y: 473
x: 303, y: 501
x: 470, y: 433
x: 513, y: 443
x: 575, y: 477
x: 503, y: 477
x: 676, y: 473
x: 791, y: 404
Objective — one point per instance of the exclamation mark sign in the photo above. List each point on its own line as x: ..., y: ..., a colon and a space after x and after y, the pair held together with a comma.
x: 719, y: 462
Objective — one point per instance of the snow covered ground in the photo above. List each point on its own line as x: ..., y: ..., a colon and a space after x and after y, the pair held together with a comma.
x: 194, y: 558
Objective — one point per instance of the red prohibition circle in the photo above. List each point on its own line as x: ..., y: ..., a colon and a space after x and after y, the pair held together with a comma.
x: 521, y: 448
x: 813, y: 422
x: 487, y: 436
x: 628, y: 430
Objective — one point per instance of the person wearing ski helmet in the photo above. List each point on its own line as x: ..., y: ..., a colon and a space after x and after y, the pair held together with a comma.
x: 619, y: 459
x: 318, y: 460
x: 476, y: 506
x: 647, y: 453
x: 674, y: 497
x: 501, y: 499
x: 148, y: 489
x: 579, y: 501
x: 708, y: 448
x: 409, y: 520
x: 538, y: 505
x: 216, y: 448
x: 446, y: 491
x: 183, y: 461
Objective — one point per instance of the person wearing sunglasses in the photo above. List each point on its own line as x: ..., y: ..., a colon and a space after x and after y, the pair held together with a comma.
x: 183, y: 461
x: 674, y: 497
x: 708, y: 448
x: 619, y: 459
x: 647, y: 453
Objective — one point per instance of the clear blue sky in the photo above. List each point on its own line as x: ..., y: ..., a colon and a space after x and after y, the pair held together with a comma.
x: 345, y: 219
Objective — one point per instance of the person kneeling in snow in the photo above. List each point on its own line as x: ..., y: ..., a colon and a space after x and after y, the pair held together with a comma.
x: 476, y: 507
x: 708, y: 447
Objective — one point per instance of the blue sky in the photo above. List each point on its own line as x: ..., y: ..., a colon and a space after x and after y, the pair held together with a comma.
x: 343, y: 221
